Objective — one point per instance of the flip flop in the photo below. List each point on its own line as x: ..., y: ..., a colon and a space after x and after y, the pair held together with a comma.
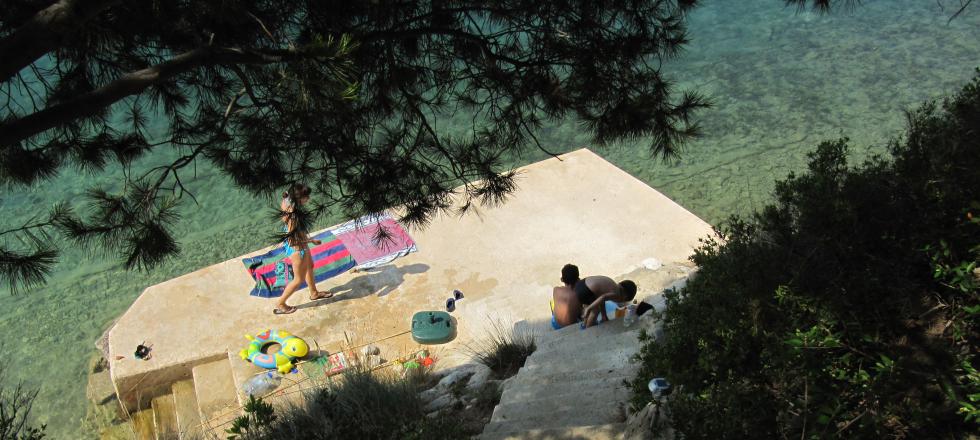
x: 289, y: 309
x: 321, y: 295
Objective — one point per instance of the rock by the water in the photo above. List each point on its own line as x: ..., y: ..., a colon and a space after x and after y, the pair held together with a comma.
x: 431, y: 394
x: 100, y: 389
x: 439, y: 403
x: 452, y: 378
x: 650, y: 423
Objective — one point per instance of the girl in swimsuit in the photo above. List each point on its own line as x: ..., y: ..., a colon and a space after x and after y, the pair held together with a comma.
x: 296, y: 249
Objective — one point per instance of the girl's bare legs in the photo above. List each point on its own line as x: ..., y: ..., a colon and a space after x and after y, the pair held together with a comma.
x: 311, y: 282
x: 299, y: 273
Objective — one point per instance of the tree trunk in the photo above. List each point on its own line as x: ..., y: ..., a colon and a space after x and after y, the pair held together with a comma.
x: 92, y: 103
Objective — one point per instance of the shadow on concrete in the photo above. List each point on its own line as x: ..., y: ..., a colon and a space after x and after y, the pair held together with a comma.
x: 378, y: 281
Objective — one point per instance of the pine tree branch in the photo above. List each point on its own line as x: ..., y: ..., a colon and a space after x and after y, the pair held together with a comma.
x: 45, y: 32
x: 94, y: 102
x: 963, y: 6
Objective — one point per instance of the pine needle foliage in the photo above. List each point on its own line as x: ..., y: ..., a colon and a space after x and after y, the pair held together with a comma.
x: 344, y: 96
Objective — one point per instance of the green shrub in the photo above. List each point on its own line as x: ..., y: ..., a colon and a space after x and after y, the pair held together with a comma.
x: 362, y: 405
x: 258, y: 417
x: 848, y: 307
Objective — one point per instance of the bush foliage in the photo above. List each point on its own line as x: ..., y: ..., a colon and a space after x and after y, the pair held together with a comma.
x: 363, y: 405
x: 848, y: 308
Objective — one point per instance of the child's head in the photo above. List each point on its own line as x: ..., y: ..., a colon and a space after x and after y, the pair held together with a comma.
x: 569, y: 274
x: 298, y: 193
x: 628, y: 289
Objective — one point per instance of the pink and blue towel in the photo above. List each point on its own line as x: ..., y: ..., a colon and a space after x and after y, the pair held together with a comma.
x: 343, y: 248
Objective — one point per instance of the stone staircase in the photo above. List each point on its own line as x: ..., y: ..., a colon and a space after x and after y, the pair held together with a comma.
x: 201, y: 407
x: 571, y: 387
x: 205, y: 405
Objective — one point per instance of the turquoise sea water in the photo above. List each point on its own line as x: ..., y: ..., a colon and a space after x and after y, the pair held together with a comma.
x: 781, y: 82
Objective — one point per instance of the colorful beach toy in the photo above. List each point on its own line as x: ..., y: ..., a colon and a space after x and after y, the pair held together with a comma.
x: 291, y: 348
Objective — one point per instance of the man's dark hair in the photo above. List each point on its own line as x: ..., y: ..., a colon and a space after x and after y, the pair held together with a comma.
x: 629, y: 289
x: 569, y: 274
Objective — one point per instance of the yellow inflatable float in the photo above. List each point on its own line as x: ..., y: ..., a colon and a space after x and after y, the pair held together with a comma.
x: 291, y: 347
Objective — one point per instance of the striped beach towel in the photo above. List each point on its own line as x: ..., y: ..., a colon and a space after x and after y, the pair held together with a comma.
x: 345, y: 247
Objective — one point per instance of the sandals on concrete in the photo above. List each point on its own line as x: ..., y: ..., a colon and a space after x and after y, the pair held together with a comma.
x: 280, y: 311
x: 321, y: 295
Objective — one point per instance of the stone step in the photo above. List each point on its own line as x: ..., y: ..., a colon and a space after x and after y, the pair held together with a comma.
x: 562, y: 389
x: 540, y: 328
x: 186, y: 409
x: 612, y: 431
x: 217, y: 401
x: 563, y: 400
x: 571, y: 414
x: 289, y: 393
x: 529, y: 379
x: 242, y: 371
x: 559, y: 360
x: 143, y: 425
x: 545, y: 335
x: 589, y: 341
x: 164, y: 417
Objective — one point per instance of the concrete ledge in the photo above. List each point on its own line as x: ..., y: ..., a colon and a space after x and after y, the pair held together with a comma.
x: 579, y: 209
x: 561, y: 402
x: 571, y: 415
x: 565, y: 390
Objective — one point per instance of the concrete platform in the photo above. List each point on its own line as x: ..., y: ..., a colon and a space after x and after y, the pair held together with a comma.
x: 580, y: 209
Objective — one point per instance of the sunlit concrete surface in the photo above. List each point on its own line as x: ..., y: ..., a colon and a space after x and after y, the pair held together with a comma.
x: 579, y: 209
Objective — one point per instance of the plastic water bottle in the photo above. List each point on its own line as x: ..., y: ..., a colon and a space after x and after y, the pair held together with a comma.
x: 262, y: 384
x: 630, y: 315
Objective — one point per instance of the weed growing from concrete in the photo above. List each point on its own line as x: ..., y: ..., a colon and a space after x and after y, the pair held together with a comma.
x: 505, y: 349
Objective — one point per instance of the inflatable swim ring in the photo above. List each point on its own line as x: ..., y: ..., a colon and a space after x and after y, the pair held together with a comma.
x: 290, y: 347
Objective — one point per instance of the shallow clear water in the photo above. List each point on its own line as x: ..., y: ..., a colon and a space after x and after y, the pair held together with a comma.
x: 781, y: 82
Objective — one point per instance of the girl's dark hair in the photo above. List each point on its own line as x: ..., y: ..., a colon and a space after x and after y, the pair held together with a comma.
x: 297, y: 192
x: 569, y: 274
